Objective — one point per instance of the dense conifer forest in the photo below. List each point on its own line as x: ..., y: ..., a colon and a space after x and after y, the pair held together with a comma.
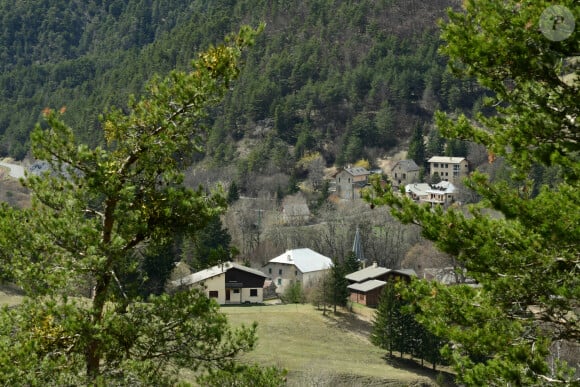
x: 346, y: 79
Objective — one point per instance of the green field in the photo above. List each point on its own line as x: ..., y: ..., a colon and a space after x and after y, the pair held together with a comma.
x: 317, y: 350
x: 322, y: 350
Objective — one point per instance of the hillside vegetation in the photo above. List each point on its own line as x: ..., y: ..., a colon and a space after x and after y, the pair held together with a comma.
x: 349, y: 80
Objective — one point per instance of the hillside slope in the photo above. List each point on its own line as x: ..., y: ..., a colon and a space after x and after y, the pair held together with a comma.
x: 333, y: 76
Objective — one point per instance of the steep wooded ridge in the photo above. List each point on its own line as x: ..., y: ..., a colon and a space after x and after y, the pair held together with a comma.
x: 347, y: 79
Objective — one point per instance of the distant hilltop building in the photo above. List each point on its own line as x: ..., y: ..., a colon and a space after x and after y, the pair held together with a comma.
x: 404, y: 172
x: 349, y: 182
x: 451, y: 169
x: 443, y: 193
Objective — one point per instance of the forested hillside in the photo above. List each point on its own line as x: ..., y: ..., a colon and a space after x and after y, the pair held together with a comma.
x: 347, y: 79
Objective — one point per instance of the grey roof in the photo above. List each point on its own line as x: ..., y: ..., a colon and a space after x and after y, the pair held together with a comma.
x: 304, y: 259
x: 370, y: 272
x: 367, y: 285
x: 357, y: 171
x: 214, y: 271
x: 446, y: 159
x: 406, y: 165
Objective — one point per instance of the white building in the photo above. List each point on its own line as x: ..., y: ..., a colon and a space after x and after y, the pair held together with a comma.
x: 442, y: 193
x: 304, y: 266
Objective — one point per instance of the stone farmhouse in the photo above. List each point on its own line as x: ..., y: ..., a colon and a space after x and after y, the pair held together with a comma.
x: 404, y: 172
x: 302, y: 266
x: 349, y: 181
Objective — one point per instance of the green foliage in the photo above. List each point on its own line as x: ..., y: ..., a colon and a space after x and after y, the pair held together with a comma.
x: 322, y: 67
x: 526, y: 259
x: 294, y: 294
x: 91, y: 215
x: 233, y: 193
x: 209, y: 246
x: 417, y: 146
x: 246, y: 376
x: 396, y: 329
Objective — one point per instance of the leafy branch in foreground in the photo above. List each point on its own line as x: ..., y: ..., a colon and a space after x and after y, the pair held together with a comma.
x: 526, y: 258
x: 91, y: 213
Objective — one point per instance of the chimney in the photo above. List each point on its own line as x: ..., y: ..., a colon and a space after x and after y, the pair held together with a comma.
x: 289, y: 257
x: 374, y: 263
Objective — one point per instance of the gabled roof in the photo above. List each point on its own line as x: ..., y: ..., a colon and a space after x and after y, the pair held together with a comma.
x: 367, y: 285
x: 354, y: 171
x: 304, y: 259
x: 214, y: 271
x: 446, y: 159
x: 357, y: 171
x: 367, y: 273
x: 406, y: 165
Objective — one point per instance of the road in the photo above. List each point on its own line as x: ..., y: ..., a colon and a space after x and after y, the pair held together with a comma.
x: 16, y: 171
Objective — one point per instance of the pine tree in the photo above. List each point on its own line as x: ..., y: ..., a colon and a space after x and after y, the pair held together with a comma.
x: 417, y: 146
x: 90, y: 216
x: 525, y: 261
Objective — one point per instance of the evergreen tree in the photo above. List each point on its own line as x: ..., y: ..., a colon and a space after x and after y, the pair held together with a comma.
x: 233, y: 193
x: 211, y: 245
x: 417, y: 146
x: 387, y: 327
x: 351, y: 263
x: 525, y: 261
x: 435, y: 143
x: 339, y: 291
x: 89, y: 217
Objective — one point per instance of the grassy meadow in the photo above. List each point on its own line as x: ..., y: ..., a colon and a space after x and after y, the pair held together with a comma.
x: 318, y: 350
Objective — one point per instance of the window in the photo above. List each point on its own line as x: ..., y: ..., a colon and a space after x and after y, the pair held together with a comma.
x: 269, y: 270
x: 236, y: 291
x: 279, y: 271
x: 436, y: 165
x: 279, y: 281
x: 296, y: 272
x: 213, y: 294
x: 446, y: 165
x: 456, y: 167
x: 253, y: 292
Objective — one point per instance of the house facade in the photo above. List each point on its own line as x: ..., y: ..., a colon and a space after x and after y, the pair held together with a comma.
x: 451, y: 169
x: 366, y: 285
x: 303, y: 266
x: 228, y: 283
x: 349, y: 181
x: 443, y: 193
x: 404, y: 172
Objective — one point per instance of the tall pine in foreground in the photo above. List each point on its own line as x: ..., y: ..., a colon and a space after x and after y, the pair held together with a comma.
x: 91, y: 215
x: 526, y: 261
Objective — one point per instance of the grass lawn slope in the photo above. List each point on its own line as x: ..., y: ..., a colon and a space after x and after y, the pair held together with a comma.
x: 321, y: 350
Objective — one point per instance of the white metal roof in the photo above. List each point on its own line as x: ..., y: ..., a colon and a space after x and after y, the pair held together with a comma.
x: 304, y: 259
x: 446, y: 159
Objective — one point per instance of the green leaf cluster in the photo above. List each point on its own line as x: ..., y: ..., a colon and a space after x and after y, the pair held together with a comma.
x: 95, y: 213
x: 519, y: 244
